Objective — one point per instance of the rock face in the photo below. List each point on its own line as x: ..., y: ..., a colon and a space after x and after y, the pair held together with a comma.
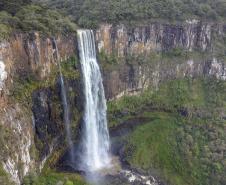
x: 3, y: 75
x: 32, y: 53
x: 132, y: 77
x: 26, y: 131
x: 48, y: 122
x: 192, y: 35
x: 48, y: 117
x: 17, y: 140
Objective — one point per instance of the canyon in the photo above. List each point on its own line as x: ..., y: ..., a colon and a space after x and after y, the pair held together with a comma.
x: 32, y: 123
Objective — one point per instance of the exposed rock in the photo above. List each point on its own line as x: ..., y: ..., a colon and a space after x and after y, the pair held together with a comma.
x: 3, y: 75
x: 23, y: 55
x: 18, y: 139
x: 130, y: 79
x: 47, y: 120
x: 48, y: 117
x: 122, y: 40
x: 33, y: 54
x: 218, y: 69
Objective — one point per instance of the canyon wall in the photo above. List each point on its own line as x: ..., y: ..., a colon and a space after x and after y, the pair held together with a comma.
x: 123, y: 40
x: 128, y: 44
x: 130, y: 79
x: 30, y: 126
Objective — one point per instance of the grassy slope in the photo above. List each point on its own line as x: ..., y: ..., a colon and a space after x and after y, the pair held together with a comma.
x: 51, y: 177
x: 184, y: 150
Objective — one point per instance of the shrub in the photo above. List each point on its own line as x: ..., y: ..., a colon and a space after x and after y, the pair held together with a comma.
x: 12, y: 6
x: 7, y: 23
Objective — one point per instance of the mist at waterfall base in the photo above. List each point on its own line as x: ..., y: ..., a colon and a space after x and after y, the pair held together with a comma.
x: 95, y: 144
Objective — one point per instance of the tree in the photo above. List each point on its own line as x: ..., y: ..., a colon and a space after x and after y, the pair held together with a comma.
x: 12, y: 6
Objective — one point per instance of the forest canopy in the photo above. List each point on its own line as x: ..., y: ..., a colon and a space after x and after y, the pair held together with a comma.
x: 57, y: 16
x: 26, y: 16
x: 90, y: 12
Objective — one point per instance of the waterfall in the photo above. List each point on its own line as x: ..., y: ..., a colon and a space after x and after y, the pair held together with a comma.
x: 95, y: 141
x: 65, y: 107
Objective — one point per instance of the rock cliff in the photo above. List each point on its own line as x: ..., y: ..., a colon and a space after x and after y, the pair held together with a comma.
x: 192, y: 35
x: 28, y: 135
x: 131, y: 46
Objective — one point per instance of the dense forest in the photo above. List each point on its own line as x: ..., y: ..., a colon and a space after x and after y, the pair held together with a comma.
x: 90, y: 12
x: 28, y: 15
x: 25, y: 15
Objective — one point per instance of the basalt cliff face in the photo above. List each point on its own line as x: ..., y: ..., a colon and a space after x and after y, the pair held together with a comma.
x: 30, y: 54
x: 132, y: 46
x: 126, y: 40
x: 30, y: 126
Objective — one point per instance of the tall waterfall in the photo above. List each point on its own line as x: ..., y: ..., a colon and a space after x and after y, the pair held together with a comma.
x: 95, y: 131
x: 65, y: 107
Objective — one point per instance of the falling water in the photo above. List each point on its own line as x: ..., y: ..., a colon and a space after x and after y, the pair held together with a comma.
x: 95, y: 131
x: 65, y: 107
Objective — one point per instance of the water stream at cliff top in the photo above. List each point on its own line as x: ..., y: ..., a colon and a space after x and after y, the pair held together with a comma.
x: 65, y: 108
x: 95, y: 138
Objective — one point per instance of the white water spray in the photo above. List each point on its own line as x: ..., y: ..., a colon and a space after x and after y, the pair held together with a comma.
x: 95, y: 139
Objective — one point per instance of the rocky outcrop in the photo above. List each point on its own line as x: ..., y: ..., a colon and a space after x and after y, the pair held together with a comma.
x: 123, y: 40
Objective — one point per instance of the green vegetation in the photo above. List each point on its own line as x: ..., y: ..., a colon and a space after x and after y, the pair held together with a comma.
x: 181, y: 150
x: 34, y: 17
x: 111, y: 62
x: 5, y: 21
x: 90, y: 13
x: 4, y: 179
x: 108, y: 61
x: 203, y: 97
x: 5, y: 138
x: 183, y: 140
x: 25, y: 16
x: 70, y: 68
x: 51, y: 177
x: 24, y: 86
x: 13, y: 6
